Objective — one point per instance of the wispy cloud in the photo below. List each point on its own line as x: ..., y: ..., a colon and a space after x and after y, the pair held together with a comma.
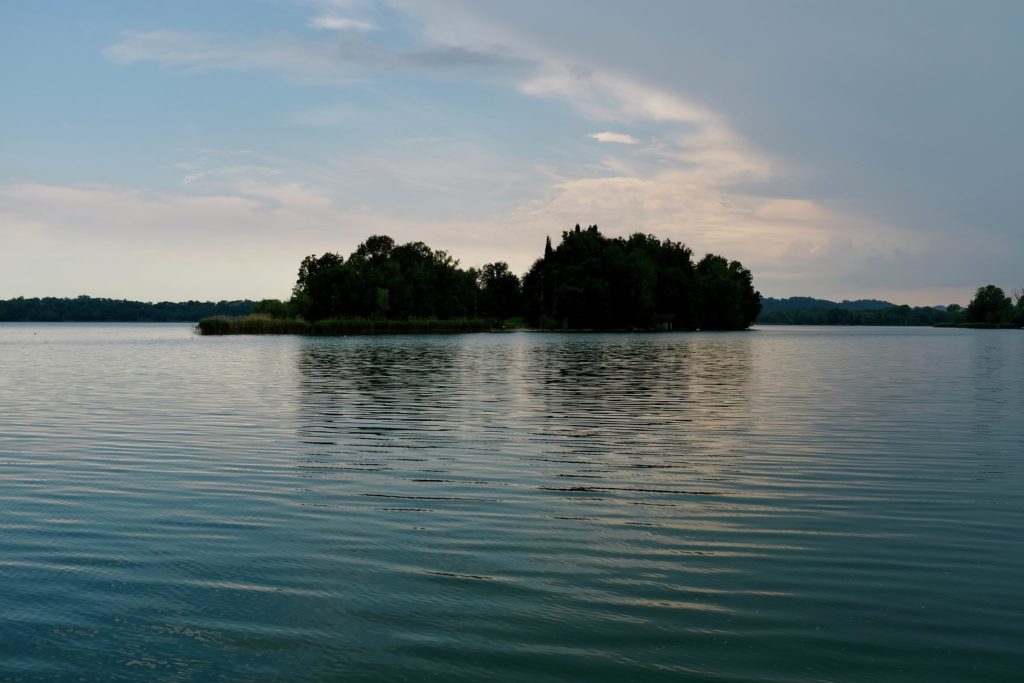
x: 299, y: 60
x: 333, y: 22
x: 621, y: 138
x: 302, y: 60
x: 280, y: 219
x: 677, y: 178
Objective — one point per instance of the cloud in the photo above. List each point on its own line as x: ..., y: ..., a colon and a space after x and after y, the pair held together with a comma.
x: 448, y: 57
x: 681, y: 183
x: 688, y: 133
x: 242, y: 239
x: 230, y: 234
x: 680, y: 177
x: 118, y: 241
x: 678, y: 184
x: 339, y: 23
x: 298, y: 60
x: 304, y: 61
x: 621, y: 138
x: 225, y: 165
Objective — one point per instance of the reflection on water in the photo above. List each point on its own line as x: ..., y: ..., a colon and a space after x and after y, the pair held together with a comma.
x: 780, y: 505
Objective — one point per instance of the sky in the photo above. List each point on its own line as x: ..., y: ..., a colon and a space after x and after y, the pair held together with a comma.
x: 181, y: 150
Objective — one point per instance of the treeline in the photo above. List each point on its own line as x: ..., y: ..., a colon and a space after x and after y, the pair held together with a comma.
x: 990, y: 307
x: 588, y: 281
x: 89, y: 309
x: 799, y: 303
x: 892, y: 315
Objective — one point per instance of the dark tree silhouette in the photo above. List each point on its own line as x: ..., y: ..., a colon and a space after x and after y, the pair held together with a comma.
x: 990, y: 306
x: 593, y: 282
x: 588, y: 282
x: 500, y: 291
x: 90, y: 309
x: 384, y: 280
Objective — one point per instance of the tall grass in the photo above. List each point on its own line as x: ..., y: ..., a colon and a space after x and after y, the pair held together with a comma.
x: 263, y: 324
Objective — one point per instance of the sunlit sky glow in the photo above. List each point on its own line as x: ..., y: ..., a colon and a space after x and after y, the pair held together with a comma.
x: 193, y: 149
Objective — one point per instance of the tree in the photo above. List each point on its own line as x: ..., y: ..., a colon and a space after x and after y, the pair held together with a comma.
x: 273, y: 308
x: 376, y: 246
x: 383, y: 280
x: 500, y: 291
x: 594, y: 282
x: 990, y: 306
x: 315, y: 294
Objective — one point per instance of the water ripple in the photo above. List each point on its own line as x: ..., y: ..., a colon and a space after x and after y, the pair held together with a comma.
x: 779, y: 505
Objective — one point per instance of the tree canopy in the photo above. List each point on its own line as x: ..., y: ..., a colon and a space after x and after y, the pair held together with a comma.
x: 383, y: 280
x: 991, y: 306
x: 588, y: 281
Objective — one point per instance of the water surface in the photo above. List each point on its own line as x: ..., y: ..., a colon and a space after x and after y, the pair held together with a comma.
x: 786, y: 504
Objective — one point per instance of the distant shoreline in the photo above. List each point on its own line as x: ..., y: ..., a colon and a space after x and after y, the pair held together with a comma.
x: 87, y: 309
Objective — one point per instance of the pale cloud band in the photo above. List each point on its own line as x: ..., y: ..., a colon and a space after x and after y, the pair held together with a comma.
x: 333, y: 22
x: 621, y: 138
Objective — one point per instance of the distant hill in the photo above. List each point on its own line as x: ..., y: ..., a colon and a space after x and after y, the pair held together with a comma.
x: 89, y: 309
x: 806, y: 303
x: 803, y: 310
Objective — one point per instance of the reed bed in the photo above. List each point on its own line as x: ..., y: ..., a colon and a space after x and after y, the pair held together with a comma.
x: 262, y: 324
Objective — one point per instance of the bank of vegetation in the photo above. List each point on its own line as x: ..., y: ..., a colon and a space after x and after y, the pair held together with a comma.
x: 587, y: 282
x: 990, y: 308
x: 91, y: 309
x: 890, y: 315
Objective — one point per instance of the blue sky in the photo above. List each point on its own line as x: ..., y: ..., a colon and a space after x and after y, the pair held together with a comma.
x: 175, y: 150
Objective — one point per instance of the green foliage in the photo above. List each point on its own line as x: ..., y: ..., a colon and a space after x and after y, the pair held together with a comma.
x: 273, y: 308
x: 500, y: 291
x: 588, y: 282
x: 593, y: 282
x: 727, y: 297
x: 89, y: 309
x: 381, y: 279
x: 1018, y: 310
x: 990, y: 306
x: 316, y: 291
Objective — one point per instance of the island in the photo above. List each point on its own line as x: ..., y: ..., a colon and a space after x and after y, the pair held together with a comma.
x: 588, y: 282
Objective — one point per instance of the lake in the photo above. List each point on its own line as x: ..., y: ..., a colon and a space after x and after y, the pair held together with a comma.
x: 785, y: 504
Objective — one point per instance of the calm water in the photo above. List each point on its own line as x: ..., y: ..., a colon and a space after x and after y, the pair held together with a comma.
x: 780, y: 505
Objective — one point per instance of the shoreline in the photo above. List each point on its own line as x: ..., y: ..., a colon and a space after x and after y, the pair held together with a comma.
x: 337, y: 327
